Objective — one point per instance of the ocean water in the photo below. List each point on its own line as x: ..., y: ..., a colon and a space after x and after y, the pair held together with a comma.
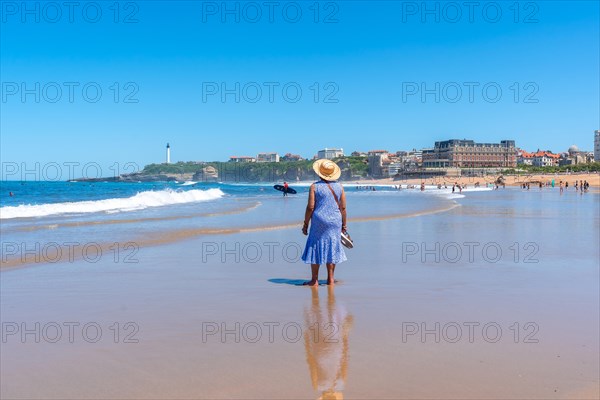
x: 43, y: 215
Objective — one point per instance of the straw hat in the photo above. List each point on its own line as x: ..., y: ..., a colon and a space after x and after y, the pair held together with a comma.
x: 327, y: 169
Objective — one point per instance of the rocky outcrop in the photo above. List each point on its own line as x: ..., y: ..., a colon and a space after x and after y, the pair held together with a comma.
x: 206, y: 174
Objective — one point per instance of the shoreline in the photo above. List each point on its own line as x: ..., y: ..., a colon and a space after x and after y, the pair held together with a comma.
x: 511, y: 180
x: 593, y: 179
x: 161, y: 238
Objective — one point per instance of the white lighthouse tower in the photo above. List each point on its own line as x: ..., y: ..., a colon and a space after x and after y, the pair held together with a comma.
x: 168, y: 154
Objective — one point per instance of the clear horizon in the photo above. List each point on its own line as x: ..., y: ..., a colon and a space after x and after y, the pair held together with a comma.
x: 112, y: 85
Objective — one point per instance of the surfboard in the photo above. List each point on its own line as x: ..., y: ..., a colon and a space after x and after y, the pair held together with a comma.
x: 282, y: 189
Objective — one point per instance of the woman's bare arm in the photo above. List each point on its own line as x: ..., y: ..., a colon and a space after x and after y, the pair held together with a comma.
x: 310, y: 208
x: 343, y: 208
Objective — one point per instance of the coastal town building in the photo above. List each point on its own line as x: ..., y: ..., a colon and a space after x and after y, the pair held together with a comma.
x: 524, y: 157
x: 574, y: 156
x: 597, y: 146
x: 469, y: 154
x: 267, y: 157
x: 395, y: 168
x: 291, y: 157
x: 417, y: 154
x: 330, y: 154
x: 541, y: 158
x: 545, y: 159
x: 242, y: 159
x: 404, y: 161
x: 379, y: 163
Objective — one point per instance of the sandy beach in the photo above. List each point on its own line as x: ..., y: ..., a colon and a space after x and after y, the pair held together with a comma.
x: 482, y: 299
x: 510, y: 180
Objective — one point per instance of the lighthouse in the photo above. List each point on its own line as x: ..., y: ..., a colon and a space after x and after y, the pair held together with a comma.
x: 168, y: 154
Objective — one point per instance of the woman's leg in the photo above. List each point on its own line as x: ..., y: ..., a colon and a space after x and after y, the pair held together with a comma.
x: 314, y: 280
x: 330, y: 272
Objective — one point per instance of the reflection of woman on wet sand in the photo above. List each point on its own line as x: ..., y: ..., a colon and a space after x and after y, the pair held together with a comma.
x: 326, y: 344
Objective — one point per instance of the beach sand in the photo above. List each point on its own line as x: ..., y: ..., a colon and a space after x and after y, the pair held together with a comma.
x: 510, y: 180
x: 219, y: 316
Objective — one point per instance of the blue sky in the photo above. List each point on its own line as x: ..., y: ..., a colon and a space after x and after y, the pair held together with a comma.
x: 370, y: 62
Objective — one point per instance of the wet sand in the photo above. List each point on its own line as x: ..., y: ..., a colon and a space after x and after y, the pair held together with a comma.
x: 55, y: 252
x: 355, y: 340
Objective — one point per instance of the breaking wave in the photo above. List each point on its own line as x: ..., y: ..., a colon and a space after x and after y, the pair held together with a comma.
x: 140, y: 201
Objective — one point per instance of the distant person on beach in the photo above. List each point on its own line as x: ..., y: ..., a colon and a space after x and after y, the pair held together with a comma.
x: 422, y: 186
x: 566, y: 185
x: 326, y: 214
x: 10, y: 194
x: 453, y: 188
x: 285, y: 189
x: 561, y: 186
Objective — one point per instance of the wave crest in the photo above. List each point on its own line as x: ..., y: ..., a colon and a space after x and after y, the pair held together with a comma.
x: 140, y: 201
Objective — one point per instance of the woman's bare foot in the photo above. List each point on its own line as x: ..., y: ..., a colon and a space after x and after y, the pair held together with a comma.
x: 313, y: 282
x: 331, y: 282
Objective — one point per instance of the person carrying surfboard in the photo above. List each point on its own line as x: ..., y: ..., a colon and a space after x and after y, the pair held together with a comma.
x: 285, y: 189
x: 326, y: 214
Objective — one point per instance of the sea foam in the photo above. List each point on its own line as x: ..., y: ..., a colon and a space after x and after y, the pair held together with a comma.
x: 140, y: 201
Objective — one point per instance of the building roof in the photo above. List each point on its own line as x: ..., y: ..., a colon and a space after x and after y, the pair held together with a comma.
x: 545, y: 154
x: 539, y: 153
x: 525, y: 154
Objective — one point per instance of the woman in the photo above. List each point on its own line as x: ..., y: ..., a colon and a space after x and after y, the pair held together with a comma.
x: 326, y: 213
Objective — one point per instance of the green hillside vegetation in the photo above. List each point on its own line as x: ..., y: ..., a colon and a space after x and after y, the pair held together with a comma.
x: 268, y: 171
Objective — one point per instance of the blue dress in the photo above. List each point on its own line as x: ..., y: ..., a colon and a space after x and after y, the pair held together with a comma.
x: 324, y: 244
